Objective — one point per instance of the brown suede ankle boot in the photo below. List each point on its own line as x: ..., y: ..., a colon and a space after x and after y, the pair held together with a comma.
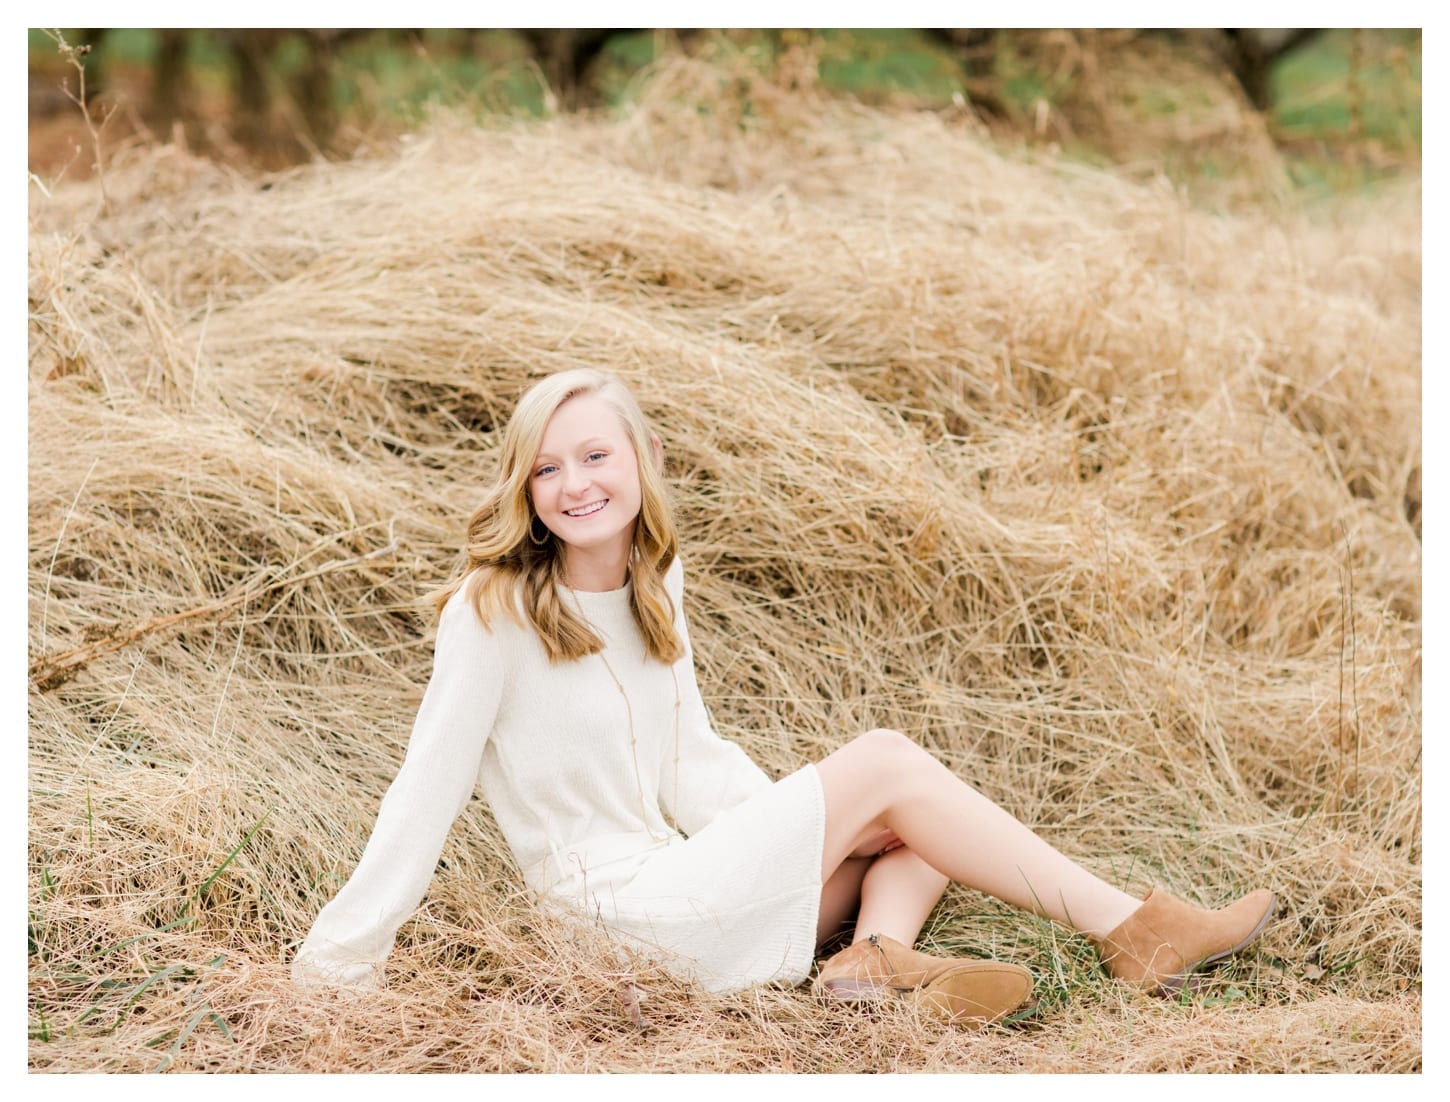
x: 970, y: 993
x: 1165, y: 941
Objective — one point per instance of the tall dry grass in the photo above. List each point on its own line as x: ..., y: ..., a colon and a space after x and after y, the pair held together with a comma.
x: 1110, y: 502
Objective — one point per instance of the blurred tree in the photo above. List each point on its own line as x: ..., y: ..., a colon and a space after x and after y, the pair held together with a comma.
x: 170, y: 76
x: 312, y: 86
x: 1251, y: 54
x: 254, y: 56
x: 284, y: 101
x: 250, y: 53
x: 564, y: 54
x: 92, y: 41
x: 168, y: 69
x: 974, y: 50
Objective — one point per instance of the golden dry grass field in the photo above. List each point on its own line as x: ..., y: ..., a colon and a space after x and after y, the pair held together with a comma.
x: 1111, y: 502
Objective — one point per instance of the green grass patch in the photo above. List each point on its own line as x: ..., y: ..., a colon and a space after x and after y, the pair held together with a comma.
x: 871, y: 64
x: 1352, y: 85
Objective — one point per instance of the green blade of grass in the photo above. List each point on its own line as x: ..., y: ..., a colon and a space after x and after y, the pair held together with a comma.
x: 232, y: 856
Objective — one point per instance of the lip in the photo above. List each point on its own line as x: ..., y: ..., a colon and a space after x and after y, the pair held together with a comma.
x: 589, y: 510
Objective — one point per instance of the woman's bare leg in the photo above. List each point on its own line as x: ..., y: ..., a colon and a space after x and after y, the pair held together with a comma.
x: 883, y: 782
x: 898, y: 893
x: 889, y: 894
x: 840, y: 898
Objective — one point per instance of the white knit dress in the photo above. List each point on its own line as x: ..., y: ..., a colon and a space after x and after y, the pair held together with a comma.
x: 727, y: 896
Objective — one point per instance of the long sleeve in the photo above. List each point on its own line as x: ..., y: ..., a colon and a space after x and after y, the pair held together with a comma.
x: 712, y: 774
x: 354, y: 934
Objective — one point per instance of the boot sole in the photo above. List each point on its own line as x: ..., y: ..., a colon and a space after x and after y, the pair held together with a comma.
x: 971, y: 995
x: 856, y: 991
x: 1193, y: 977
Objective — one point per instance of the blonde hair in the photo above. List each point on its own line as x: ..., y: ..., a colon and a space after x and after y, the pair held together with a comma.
x: 506, y: 567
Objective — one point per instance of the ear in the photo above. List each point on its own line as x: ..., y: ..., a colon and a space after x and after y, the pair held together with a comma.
x: 657, y: 452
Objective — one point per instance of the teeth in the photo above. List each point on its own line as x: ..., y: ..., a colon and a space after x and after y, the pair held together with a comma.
x: 586, y: 510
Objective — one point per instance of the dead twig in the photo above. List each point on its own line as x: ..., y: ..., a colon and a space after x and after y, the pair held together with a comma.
x: 55, y: 669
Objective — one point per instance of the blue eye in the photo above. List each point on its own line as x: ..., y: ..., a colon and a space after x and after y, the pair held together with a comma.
x: 595, y: 455
x: 546, y: 469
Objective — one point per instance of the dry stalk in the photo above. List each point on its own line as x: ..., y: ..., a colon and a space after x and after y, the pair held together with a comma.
x: 54, y: 669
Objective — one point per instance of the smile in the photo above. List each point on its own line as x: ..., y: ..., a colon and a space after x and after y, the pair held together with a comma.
x: 586, y: 510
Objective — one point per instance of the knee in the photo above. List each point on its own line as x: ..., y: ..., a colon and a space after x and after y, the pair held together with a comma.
x: 870, y: 774
x: 885, y: 748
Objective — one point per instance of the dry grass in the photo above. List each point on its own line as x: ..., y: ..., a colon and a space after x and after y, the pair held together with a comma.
x: 1112, y: 504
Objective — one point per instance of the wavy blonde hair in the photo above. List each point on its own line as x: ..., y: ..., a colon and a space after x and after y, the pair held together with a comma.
x: 505, y: 569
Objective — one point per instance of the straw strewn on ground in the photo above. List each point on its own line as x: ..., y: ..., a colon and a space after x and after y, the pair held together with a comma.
x: 1112, y: 503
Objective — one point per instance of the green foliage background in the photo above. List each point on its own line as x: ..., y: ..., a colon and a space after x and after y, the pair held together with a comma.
x: 1346, y: 106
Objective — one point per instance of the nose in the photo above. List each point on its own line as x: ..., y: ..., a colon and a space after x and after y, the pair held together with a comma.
x: 576, y: 480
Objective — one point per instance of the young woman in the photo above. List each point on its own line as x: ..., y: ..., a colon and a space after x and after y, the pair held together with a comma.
x: 563, y: 684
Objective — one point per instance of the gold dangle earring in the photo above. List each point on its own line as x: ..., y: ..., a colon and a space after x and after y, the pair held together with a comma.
x: 534, y: 537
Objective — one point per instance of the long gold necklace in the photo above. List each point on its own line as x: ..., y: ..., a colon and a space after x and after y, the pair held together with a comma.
x: 633, y: 739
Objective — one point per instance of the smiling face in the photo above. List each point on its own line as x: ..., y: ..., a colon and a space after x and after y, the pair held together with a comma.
x: 585, y: 488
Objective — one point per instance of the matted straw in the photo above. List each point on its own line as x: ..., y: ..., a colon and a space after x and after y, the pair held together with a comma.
x: 1111, y: 503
